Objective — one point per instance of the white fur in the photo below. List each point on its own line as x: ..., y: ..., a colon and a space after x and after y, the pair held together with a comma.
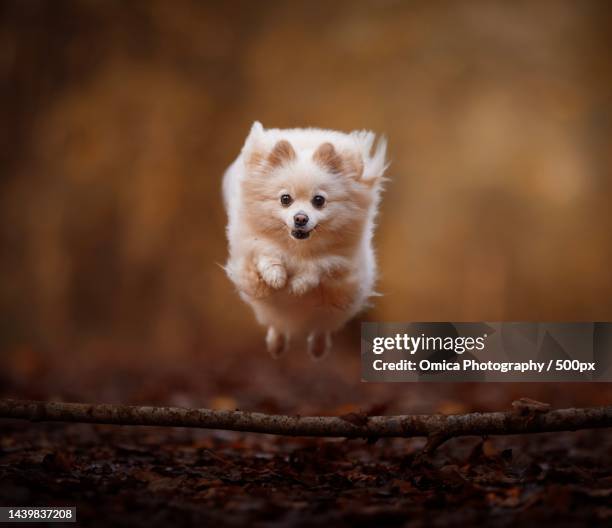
x: 298, y: 270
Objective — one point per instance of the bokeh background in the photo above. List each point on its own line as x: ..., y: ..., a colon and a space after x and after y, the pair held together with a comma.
x: 119, y: 118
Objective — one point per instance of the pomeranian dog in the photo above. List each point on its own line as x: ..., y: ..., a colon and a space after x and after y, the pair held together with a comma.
x: 301, y: 205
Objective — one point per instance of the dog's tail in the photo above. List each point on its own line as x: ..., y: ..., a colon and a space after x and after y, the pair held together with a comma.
x: 374, y: 157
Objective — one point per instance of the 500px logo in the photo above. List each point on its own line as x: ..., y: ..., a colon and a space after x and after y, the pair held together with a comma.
x: 413, y: 344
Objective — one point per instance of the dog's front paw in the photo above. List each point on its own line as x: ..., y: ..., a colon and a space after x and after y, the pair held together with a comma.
x: 274, y: 275
x: 251, y: 283
x: 301, y: 284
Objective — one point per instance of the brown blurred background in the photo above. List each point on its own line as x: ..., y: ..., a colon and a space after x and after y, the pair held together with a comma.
x: 119, y: 118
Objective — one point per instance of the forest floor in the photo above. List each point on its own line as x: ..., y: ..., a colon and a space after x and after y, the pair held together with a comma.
x: 145, y: 476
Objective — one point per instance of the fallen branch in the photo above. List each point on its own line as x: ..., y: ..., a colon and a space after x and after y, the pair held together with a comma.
x: 436, y: 427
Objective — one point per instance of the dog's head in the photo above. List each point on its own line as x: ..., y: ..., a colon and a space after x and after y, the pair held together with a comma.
x: 303, y: 189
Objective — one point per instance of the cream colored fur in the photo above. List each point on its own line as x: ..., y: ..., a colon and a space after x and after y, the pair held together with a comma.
x: 308, y: 287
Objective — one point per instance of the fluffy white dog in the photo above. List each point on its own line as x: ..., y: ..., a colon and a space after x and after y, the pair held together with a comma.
x: 301, y: 205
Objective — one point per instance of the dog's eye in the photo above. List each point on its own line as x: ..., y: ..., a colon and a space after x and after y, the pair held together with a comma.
x: 286, y: 200
x: 318, y: 201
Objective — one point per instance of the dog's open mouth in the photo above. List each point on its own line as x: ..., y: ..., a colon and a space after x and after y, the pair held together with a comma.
x: 300, y: 234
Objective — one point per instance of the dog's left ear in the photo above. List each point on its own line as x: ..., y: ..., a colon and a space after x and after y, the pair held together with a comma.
x: 348, y: 164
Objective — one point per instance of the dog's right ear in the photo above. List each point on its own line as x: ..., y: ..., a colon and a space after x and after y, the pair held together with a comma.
x: 256, y: 157
x: 281, y: 153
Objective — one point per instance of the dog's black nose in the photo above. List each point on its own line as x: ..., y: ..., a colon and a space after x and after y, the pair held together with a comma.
x: 300, y: 219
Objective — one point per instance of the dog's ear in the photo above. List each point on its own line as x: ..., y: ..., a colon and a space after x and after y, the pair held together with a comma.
x: 255, y: 155
x: 347, y: 163
x: 328, y: 158
x: 281, y: 153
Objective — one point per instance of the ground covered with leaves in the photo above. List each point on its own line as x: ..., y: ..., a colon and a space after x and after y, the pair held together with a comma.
x: 156, y: 477
x: 144, y: 476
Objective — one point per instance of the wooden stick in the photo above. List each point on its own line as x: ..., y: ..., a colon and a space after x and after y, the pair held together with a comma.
x: 433, y: 426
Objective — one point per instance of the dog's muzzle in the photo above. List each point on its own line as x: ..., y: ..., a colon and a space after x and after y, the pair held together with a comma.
x: 300, y: 221
x: 300, y: 234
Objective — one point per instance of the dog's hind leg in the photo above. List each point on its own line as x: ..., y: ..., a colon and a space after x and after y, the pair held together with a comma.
x: 276, y: 342
x: 319, y: 345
